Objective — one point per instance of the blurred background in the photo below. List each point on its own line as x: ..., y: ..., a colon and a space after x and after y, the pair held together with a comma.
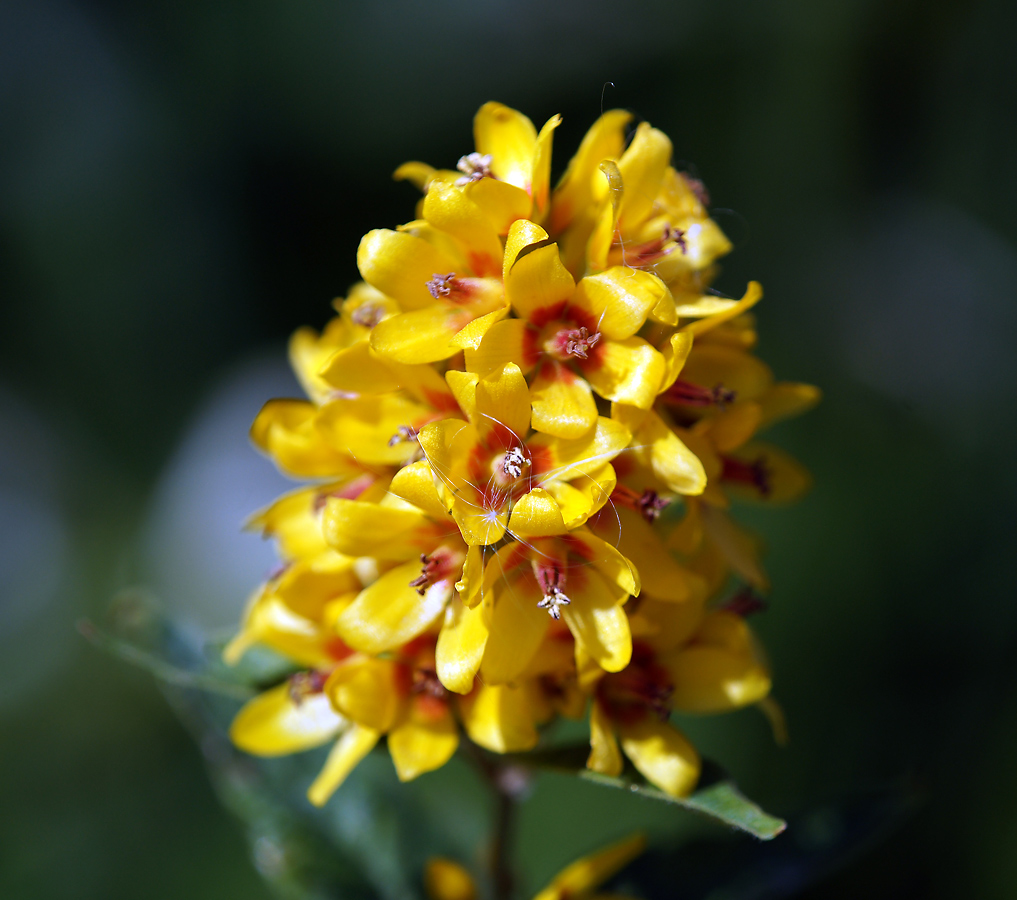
x: 184, y: 184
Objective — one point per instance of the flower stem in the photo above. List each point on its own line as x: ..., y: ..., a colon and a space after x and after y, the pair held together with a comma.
x: 508, y: 783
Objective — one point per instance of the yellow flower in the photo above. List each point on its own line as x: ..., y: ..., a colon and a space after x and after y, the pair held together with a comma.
x: 683, y: 659
x: 445, y: 879
x: 498, y: 419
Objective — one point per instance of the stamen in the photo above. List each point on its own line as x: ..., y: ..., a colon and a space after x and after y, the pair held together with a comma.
x: 649, y: 504
x: 745, y: 603
x: 579, y: 342
x: 685, y: 393
x: 698, y: 188
x: 304, y: 684
x: 514, y: 461
x: 368, y: 314
x: 425, y: 681
x: 404, y: 434
x: 551, y: 580
x: 433, y: 568
x: 440, y: 285
x: 757, y: 473
x: 474, y: 166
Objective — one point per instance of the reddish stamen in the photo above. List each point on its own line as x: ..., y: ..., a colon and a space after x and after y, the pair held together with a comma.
x: 578, y: 341
x: 756, y: 473
x: 304, y: 684
x: 685, y: 393
x: 368, y: 314
x: 745, y: 603
x: 551, y: 580
x: 436, y: 567
x: 644, y: 686
x: 649, y: 504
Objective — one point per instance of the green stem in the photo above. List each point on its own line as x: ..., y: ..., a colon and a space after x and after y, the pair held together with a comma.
x: 503, y: 782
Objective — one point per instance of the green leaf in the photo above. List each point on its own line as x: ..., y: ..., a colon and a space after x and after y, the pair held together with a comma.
x: 716, y: 795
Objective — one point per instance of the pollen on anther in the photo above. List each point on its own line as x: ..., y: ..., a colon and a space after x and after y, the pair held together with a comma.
x: 474, y: 166
x: 440, y: 285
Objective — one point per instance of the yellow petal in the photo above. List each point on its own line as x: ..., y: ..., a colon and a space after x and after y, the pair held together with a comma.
x: 293, y: 521
x: 672, y: 462
x: 598, y: 622
x: 675, y: 354
x: 471, y: 583
x: 274, y: 724
x: 517, y: 626
x: 664, y: 625
x: 390, y: 613
x: 712, y: 680
x: 605, y: 228
x: 605, y: 756
x: 739, y: 548
x: 568, y: 460
x: 626, y: 371
x: 563, y: 403
x: 582, y: 876
x: 447, y: 880
x: 352, y: 747
x: 538, y: 280
x: 417, y: 173
x: 497, y: 717
x: 509, y: 138
x: 642, y: 168
x: 502, y: 203
x: 400, y: 265
x: 422, y: 743
x: 288, y: 431
x: 541, y: 178
x: 363, y: 689
x: 619, y: 299
x: 662, y: 754
x: 610, y: 562
x: 364, y: 427
x: 738, y: 371
x: 787, y: 399
x: 421, y: 336
x: 605, y: 140
x: 449, y: 209
x: 367, y: 529
x: 733, y: 427
x: 415, y: 484
x: 503, y: 343
x: 503, y: 402
x: 753, y: 294
x: 471, y: 335
x: 536, y: 514
x: 460, y: 646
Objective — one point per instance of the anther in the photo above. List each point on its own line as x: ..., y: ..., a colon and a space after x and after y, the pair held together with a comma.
x: 553, y: 602
x: 367, y: 314
x: 551, y: 580
x: 404, y: 434
x: 685, y: 393
x: 514, y: 461
x: 649, y: 504
x: 304, y: 684
x: 745, y: 603
x: 440, y: 285
x: 698, y: 188
x: 579, y: 342
x: 425, y: 681
x: 428, y: 574
x: 757, y: 473
x: 474, y: 166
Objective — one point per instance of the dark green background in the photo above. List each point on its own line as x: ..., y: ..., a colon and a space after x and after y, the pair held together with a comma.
x: 183, y: 184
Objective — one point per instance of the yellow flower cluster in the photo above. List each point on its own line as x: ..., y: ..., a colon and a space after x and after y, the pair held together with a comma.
x: 523, y: 434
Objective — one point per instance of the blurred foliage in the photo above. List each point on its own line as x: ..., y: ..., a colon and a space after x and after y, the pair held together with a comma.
x: 181, y: 185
